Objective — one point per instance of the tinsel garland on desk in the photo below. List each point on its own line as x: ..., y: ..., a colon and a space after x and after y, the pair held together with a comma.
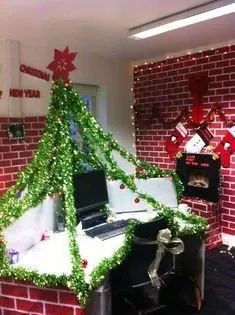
x: 50, y: 173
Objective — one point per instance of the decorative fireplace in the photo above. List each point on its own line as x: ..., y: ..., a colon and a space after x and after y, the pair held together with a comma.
x: 200, y: 174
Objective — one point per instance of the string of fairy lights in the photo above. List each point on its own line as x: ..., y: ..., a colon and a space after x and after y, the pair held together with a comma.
x: 154, y: 65
x: 189, y: 56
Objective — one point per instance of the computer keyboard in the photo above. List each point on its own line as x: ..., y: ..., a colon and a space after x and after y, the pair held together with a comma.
x: 108, y: 230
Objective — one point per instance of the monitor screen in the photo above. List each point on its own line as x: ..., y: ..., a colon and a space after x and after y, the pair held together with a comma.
x: 90, y: 190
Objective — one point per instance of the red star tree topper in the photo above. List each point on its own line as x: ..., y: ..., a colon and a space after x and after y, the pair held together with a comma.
x: 62, y: 64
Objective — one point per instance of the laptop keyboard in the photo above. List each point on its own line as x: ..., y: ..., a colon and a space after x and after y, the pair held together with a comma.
x: 108, y: 230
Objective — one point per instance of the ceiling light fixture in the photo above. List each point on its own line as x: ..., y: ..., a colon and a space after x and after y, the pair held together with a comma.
x: 208, y: 11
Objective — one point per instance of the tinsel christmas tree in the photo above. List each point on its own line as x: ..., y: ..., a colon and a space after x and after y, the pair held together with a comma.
x: 50, y: 174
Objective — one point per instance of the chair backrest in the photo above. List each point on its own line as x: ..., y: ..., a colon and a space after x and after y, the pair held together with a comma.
x: 147, y: 231
x: 141, y: 255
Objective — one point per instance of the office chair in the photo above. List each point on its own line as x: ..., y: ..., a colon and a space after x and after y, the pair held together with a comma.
x: 130, y: 281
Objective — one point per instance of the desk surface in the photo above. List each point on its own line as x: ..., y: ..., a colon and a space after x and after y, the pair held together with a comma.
x: 52, y: 256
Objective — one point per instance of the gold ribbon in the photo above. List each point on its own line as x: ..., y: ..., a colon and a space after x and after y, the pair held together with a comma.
x: 165, y: 244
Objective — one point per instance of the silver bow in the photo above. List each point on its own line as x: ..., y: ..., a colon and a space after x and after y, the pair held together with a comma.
x: 165, y: 244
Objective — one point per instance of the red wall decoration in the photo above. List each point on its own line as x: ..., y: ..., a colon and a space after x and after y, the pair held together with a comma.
x: 162, y: 87
x: 35, y: 72
x: 198, y: 86
x: 28, y: 93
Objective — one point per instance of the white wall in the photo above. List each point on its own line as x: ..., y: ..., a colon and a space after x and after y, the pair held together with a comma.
x: 111, y: 76
x: 9, y: 60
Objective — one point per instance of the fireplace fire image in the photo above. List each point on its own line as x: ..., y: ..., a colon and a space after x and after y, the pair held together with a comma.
x: 198, y: 179
x: 200, y: 174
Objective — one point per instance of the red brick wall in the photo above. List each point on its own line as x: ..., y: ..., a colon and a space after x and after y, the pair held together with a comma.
x: 17, y: 298
x: 164, y: 84
x: 15, y: 154
x: 210, y: 211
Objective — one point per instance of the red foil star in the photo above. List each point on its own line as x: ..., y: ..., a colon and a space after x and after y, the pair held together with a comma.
x: 62, y: 64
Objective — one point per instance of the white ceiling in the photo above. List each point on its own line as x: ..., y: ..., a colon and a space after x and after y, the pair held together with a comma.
x: 100, y: 26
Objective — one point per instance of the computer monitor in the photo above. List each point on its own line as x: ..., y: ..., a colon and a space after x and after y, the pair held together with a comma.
x: 90, y: 190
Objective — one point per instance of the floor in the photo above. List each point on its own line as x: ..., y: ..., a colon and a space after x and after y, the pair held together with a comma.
x: 220, y: 282
x: 219, y: 287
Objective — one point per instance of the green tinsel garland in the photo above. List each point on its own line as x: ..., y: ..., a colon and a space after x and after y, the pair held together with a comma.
x: 50, y: 173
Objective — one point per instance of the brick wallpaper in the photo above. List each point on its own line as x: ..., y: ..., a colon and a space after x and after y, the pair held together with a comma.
x: 15, y: 154
x: 210, y: 211
x: 18, y: 298
x: 164, y: 84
